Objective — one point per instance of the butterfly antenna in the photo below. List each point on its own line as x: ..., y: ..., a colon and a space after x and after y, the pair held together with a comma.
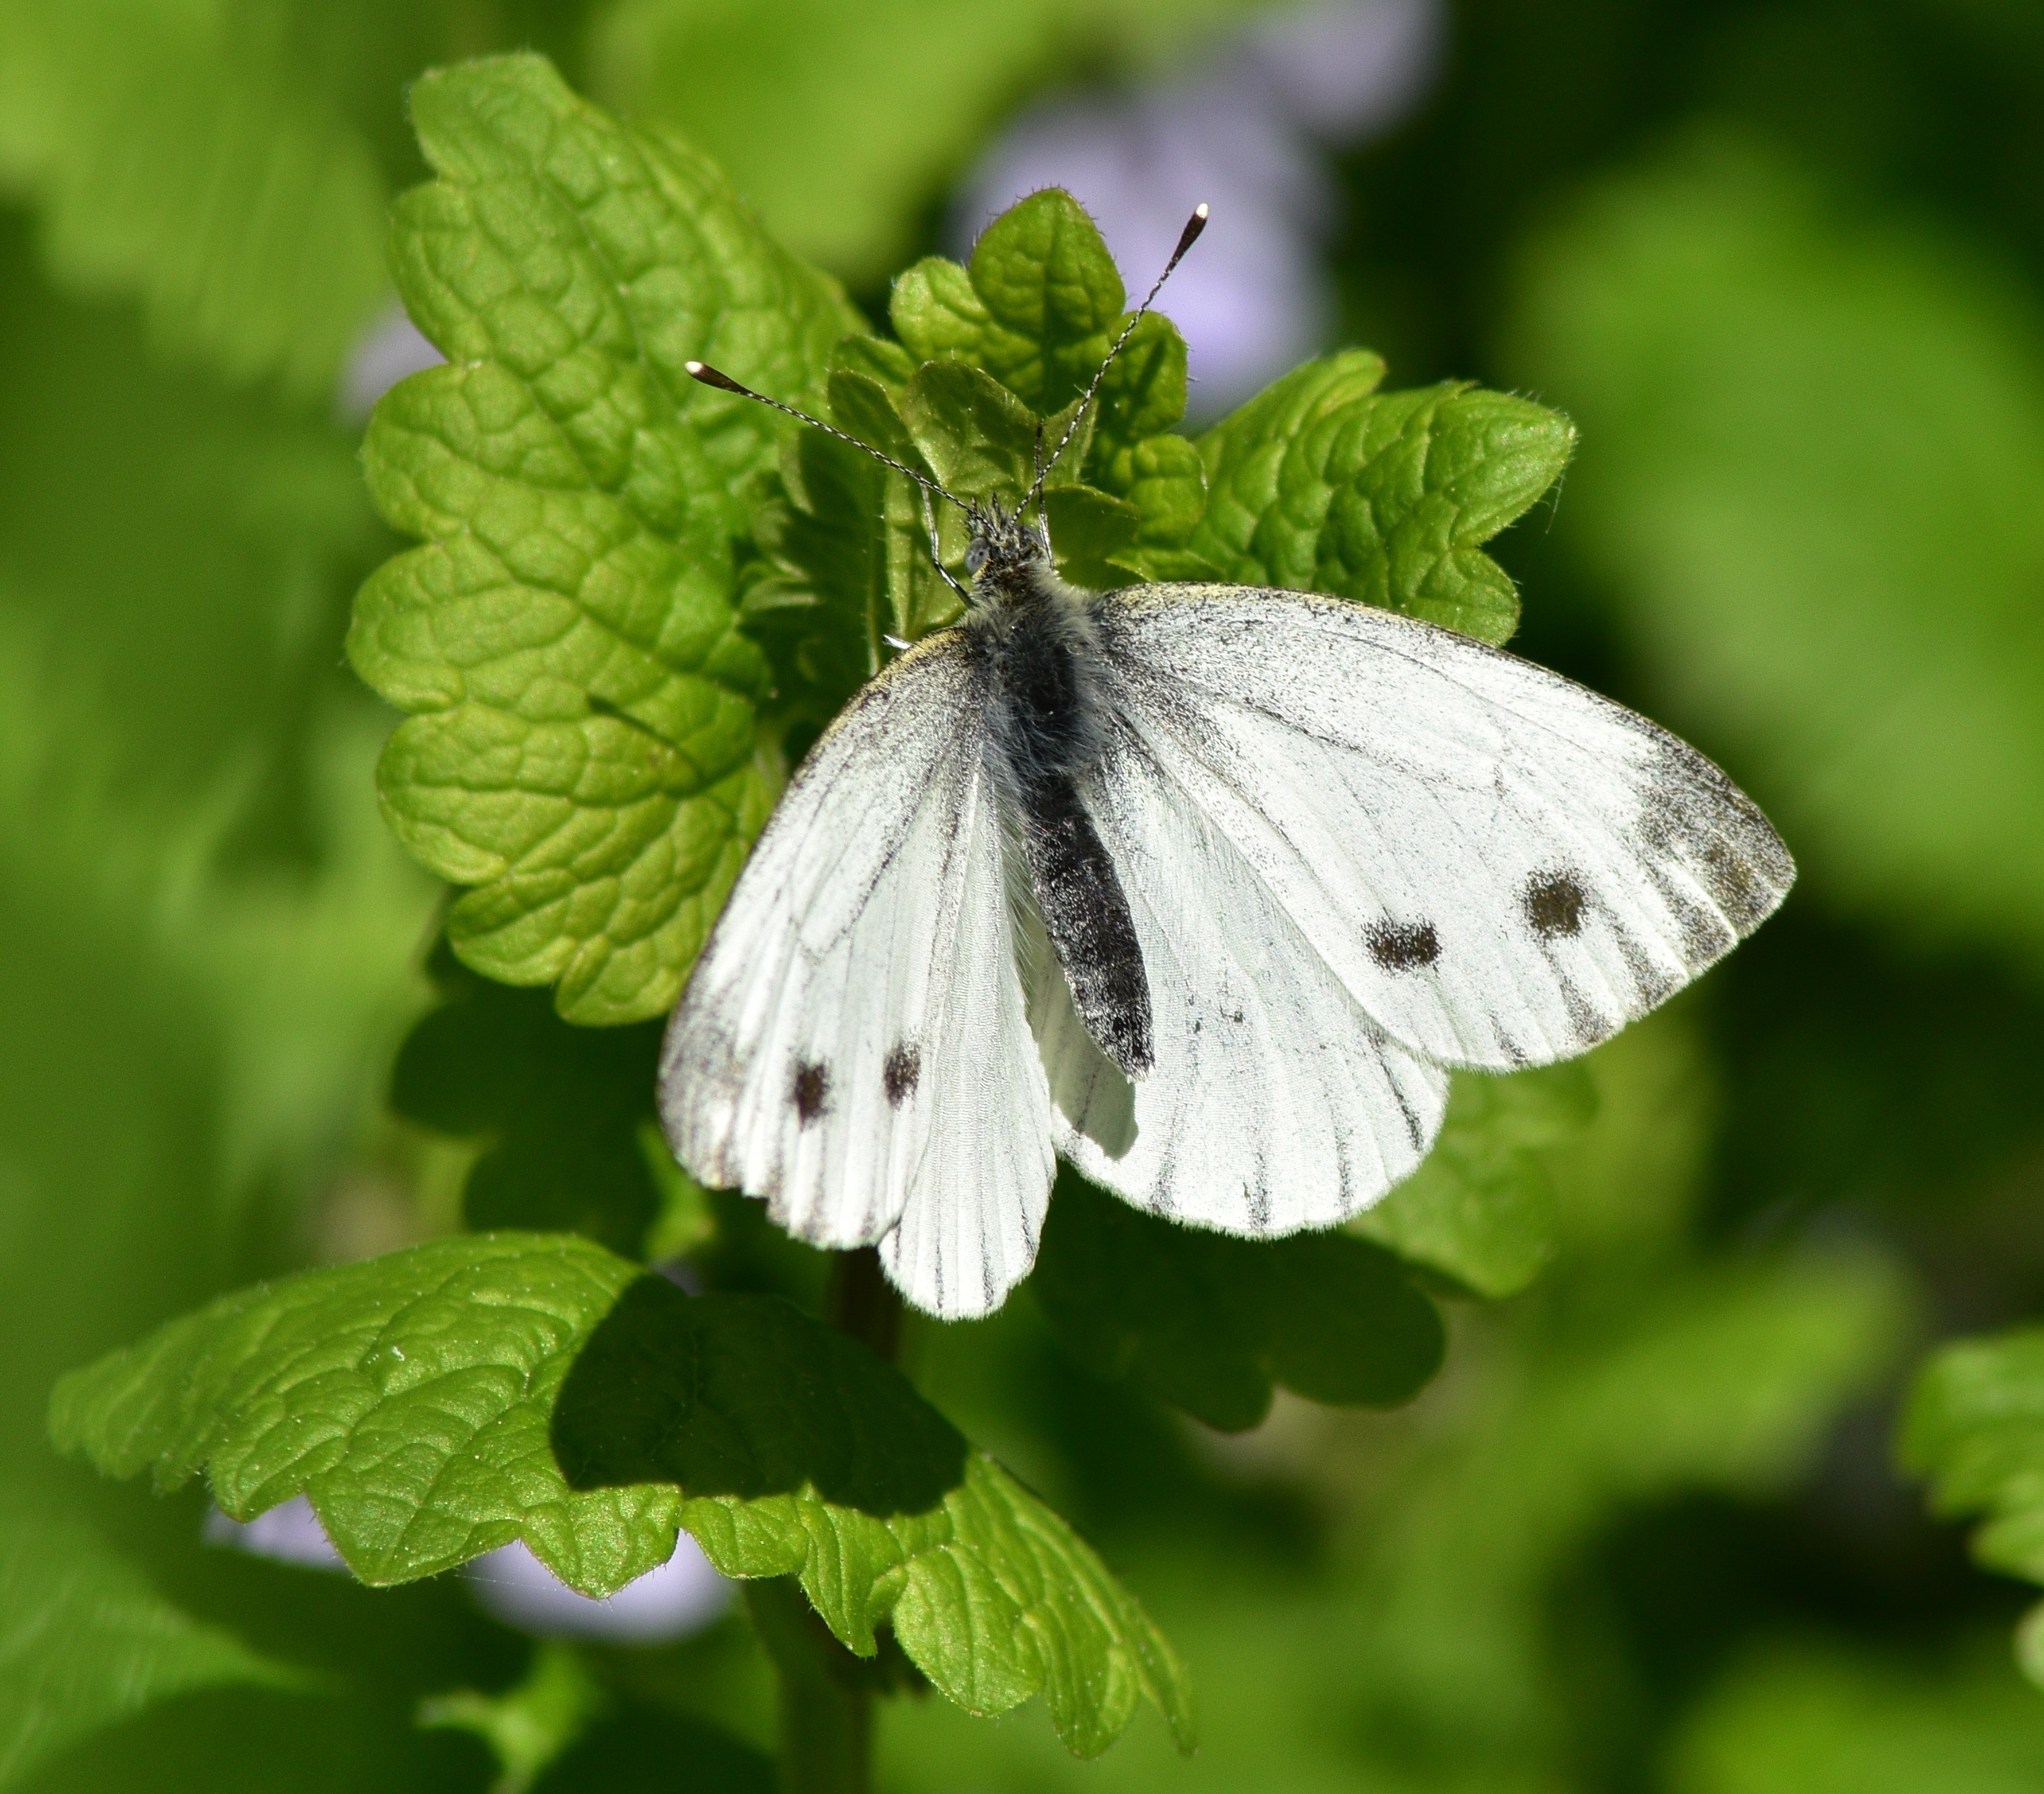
x: 714, y: 377
x: 1187, y: 237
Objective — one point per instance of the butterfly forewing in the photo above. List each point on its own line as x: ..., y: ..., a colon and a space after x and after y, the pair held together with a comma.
x: 852, y: 1038
x: 1501, y: 867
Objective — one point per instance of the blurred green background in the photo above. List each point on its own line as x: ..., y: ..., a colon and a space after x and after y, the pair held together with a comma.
x: 1783, y: 263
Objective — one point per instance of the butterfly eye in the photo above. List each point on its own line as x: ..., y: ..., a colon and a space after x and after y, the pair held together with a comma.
x: 975, y: 558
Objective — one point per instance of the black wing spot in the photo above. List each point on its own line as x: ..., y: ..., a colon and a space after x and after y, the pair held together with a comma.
x: 1403, y: 946
x: 904, y: 1066
x: 810, y: 1090
x: 1555, y: 904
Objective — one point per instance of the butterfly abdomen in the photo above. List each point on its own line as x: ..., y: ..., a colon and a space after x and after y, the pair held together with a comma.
x: 1037, y: 653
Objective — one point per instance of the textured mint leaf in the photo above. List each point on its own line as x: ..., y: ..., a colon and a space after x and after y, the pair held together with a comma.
x: 86, y: 1642
x: 1038, y: 309
x: 991, y: 1596
x: 1817, y: 441
x: 1481, y: 1209
x: 194, y: 158
x: 803, y: 1455
x: 584, y: 746
x: 1974, y: 1427
x: 1210, y: 1323
x: 970, y: 430
x: 1323, y: 484
x: 820, y: 605
x: 409, y: 1397
x: 440, y: 1402
x: 1143, y: 395
x: 555, y: 1110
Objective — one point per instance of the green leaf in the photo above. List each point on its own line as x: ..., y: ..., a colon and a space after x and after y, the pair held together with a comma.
x: 1480, y: 1208
x: 86, y: 1642
x: 440, y: 1402
x: 1323, y: 484
x: 1210, y: 1323
x: 409, y: 1397
x: 195, y: 158
x: 1974, y: 1426
x: 1143, y: 395
x: 992, y: 1596
x: 557, y: 1110
x: 1038, y: 309
x: 584, y: 746
x: 821, y: 602
x: 970, y: 430
x: 1816, y: 438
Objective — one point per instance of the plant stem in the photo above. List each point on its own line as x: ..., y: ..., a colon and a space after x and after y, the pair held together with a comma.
x: 864, y: 1304
x: 826, y: 1693
x: 826, y: 1704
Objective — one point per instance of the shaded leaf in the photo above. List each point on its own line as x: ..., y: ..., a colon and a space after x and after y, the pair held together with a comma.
x: 557, y: 1109
x: 1480, y: 1208
x: 746, y: 1396
x: 584, y: 748
x: 86, y: 1642
x: 1209, y: 1324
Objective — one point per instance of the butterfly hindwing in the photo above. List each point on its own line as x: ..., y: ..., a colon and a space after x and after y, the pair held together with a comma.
x: 1501, y: 868
x: 1273, y: 1103
x: 852, y: 1043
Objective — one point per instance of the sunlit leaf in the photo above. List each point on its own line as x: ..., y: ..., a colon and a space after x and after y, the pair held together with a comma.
x: 1480, y: 1208
x: 584, y: 748
x: 1323, y: 484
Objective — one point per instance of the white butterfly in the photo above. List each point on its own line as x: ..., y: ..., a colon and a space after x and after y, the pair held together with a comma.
x: 1203, y: 888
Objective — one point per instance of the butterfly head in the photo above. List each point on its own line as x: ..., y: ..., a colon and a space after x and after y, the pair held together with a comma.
x: 1006, y: 549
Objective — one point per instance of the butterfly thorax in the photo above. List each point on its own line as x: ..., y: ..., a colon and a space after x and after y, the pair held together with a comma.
x: 1036, y: 648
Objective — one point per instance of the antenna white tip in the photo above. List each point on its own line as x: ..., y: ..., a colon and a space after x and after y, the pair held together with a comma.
x: 714, y: 377
x: 1187, y: 237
